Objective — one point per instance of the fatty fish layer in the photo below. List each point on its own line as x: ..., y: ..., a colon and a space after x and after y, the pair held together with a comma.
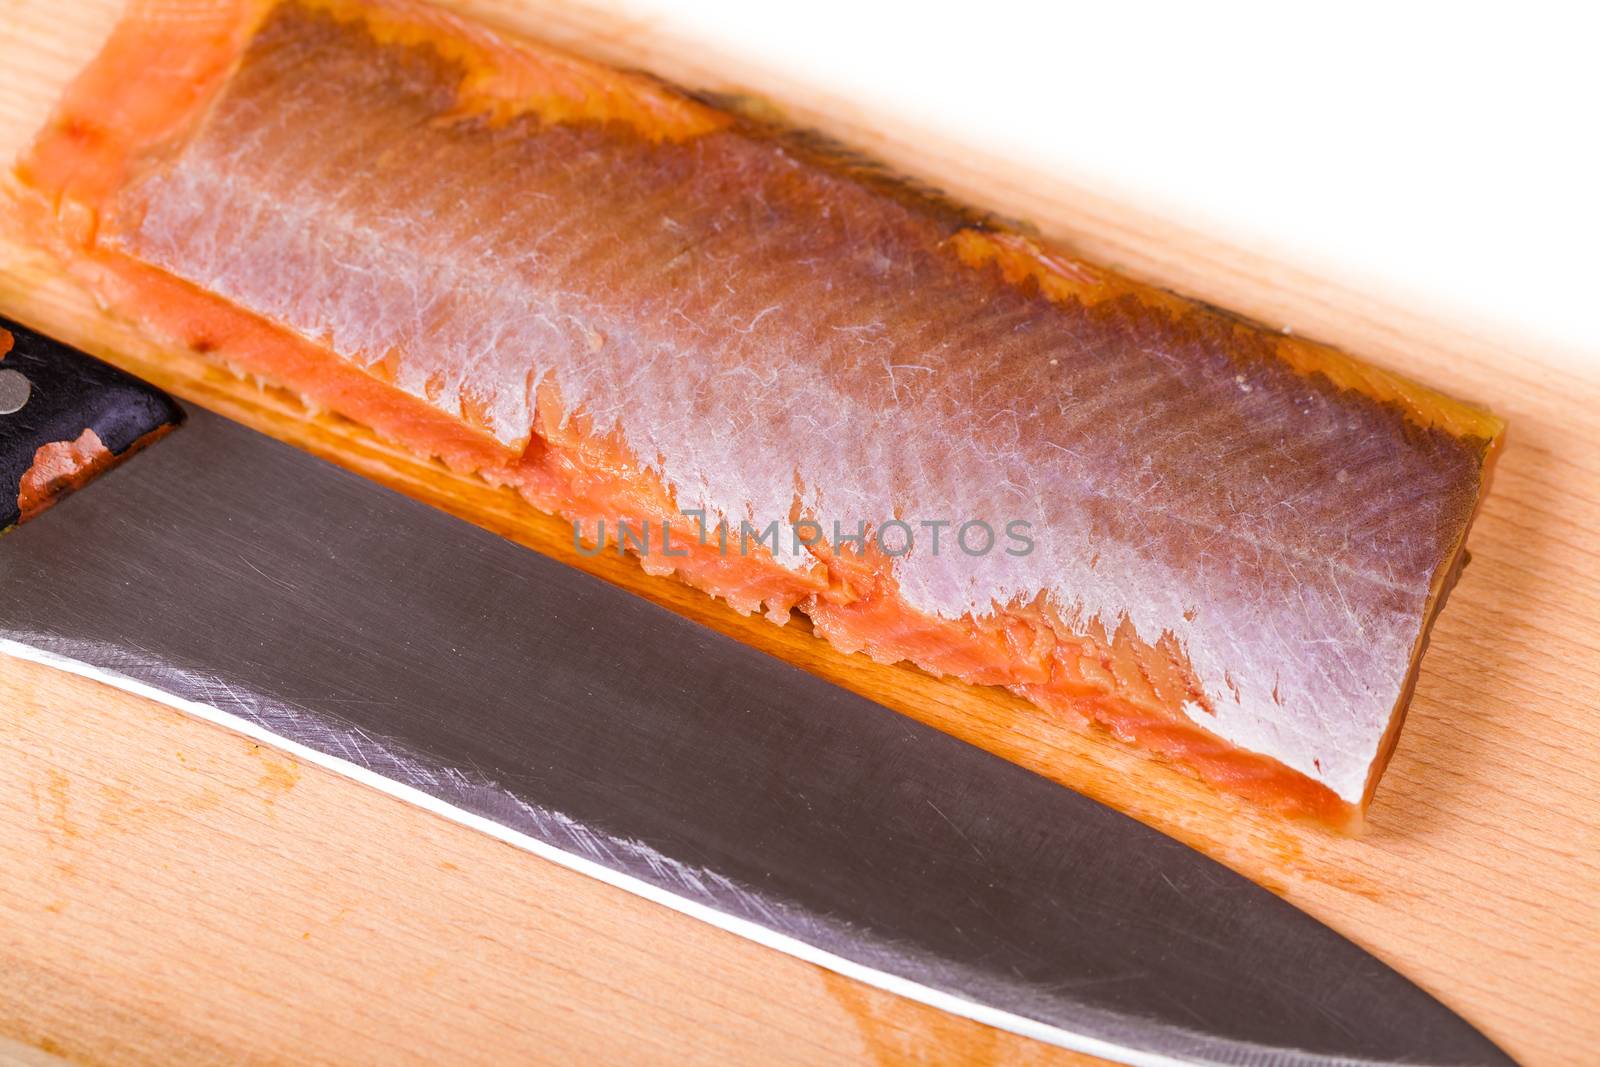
x: 1234, y: 534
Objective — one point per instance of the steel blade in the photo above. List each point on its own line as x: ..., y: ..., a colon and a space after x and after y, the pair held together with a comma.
x: 255, y: 585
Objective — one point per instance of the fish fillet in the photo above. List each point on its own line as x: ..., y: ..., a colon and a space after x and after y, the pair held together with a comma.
x: 1219, y: 543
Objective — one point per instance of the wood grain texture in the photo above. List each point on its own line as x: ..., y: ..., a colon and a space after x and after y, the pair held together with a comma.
x: 182, y: 895
x: 179, y: 931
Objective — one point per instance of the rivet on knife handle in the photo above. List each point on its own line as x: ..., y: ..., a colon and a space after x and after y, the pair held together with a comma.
x: 65, y: 418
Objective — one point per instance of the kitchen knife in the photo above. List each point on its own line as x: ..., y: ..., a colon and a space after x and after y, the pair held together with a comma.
x: 238, y: 579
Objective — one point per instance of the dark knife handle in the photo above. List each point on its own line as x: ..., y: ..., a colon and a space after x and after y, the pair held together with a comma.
x: 65, y: 418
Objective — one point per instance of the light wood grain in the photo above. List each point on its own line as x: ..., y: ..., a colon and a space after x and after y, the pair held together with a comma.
x: 1479, y: 875
x: 176, y: 895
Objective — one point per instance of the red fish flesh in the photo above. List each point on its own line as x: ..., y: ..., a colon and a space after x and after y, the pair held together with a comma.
x: 1221, y: 543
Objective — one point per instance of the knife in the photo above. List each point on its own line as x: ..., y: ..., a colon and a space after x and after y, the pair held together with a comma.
x: 253, y: 585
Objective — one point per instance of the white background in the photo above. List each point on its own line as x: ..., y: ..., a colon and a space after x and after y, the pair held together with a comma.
x: 1444, y: 156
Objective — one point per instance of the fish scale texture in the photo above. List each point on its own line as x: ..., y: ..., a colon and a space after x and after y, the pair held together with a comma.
x: 761, y: 330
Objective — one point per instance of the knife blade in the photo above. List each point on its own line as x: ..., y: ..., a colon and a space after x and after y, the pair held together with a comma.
x: 250, y: 584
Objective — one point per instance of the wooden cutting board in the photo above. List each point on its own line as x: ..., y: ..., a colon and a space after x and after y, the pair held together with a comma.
x: 171, y: 893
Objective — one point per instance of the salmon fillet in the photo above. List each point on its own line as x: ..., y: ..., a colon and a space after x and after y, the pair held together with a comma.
x: 643, y: 311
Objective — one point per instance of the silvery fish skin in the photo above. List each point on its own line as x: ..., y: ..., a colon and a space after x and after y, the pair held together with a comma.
x: 1235, y: 541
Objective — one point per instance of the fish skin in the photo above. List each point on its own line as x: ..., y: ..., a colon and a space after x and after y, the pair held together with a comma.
x: 1240, y: 538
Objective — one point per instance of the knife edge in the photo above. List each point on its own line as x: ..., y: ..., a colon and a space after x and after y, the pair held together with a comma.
x: 877, y: 757
x: 250, y: 718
